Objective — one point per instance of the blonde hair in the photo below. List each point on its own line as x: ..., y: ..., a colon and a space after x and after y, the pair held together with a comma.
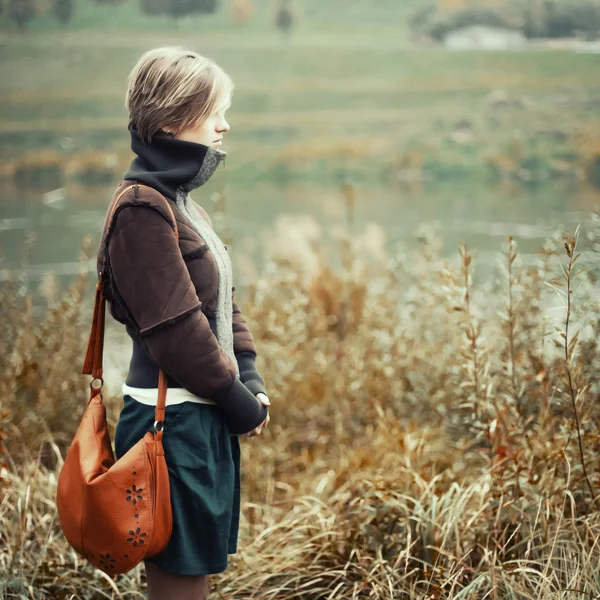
x: 175, y: 87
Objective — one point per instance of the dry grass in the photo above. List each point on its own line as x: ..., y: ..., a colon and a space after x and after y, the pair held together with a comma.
x: 423, y: 440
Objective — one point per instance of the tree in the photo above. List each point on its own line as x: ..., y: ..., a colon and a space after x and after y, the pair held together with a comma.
x: 285, y: 16
x: 21, y: 11
x: 63, y: 10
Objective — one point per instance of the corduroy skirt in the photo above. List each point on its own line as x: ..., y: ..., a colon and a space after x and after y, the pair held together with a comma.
x: 204, y: 475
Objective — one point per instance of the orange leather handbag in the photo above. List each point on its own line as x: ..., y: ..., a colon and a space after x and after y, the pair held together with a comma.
x: 114, y: 513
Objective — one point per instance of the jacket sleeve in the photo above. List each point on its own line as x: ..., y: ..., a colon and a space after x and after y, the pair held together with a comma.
x: 245, y: 351
x: 151, y: 281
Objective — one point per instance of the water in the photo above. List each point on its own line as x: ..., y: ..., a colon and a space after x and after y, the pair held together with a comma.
x: 482, y: 215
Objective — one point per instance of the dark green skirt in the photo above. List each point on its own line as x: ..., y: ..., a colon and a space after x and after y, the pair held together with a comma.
x: 204, y: 474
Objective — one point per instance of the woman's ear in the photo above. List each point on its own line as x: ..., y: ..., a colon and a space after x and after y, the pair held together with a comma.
x: 167, y: 130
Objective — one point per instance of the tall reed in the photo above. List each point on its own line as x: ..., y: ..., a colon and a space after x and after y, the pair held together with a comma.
x: 434, y: 433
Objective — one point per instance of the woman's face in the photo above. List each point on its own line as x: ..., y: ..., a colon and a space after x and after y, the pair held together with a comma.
x: 211, y: 132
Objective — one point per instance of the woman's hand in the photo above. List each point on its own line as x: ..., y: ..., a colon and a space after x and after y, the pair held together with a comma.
x: 258, y: 430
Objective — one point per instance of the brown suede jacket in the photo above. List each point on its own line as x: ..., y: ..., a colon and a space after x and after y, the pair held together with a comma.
x: 164, y: 287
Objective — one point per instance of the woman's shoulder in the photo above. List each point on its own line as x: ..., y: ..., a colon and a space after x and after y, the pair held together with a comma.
x: 131, y: 217
x: 139, y: 212
x: 132, y: 193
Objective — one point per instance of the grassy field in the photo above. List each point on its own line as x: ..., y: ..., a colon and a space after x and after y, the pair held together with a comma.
x: 424, y: 443
x: 335, y: 96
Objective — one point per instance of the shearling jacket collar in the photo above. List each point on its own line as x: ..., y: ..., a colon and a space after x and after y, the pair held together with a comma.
x: 170, y: 165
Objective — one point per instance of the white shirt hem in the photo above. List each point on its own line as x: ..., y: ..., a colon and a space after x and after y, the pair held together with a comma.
x: 149, y: 396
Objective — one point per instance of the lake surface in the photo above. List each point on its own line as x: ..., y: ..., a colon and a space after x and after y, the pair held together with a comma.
x: 483, y: 216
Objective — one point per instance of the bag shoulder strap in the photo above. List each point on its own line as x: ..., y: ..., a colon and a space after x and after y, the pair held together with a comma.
x: 92, y: 364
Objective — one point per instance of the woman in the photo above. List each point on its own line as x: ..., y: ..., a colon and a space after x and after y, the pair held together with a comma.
x: 170, y: 284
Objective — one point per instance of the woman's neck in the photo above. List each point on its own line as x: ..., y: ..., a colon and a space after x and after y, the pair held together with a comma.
x: 171, y: 166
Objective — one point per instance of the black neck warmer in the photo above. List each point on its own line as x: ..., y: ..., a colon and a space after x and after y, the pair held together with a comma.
x: 170, y: 165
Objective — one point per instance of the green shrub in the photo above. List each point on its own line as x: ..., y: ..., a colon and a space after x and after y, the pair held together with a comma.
x: 547, y: 19
x: 565, y: 18
x: 21, y: 11
x: 438, y: 25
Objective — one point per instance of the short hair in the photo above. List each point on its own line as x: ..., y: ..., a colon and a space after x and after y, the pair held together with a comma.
x: 174, y: 86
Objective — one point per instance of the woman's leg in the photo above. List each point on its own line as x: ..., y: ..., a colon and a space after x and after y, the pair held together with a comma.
x: 165, y: 586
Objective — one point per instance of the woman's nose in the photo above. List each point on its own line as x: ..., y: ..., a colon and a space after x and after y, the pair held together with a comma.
x: 223, y: 126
